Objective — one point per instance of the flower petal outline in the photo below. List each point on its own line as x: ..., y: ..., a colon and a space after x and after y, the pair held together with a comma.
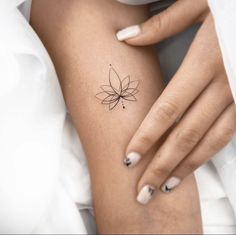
x: 114, y: 81
x: 113, y: 104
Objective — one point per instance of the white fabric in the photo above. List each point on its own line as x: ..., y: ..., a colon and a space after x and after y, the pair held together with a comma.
x: 42, y: 184
x: 225, y: 23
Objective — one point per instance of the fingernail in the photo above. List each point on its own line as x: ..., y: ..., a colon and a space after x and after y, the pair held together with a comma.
x: 132, y: 159
x: 170, y: 184
x: 129, y: 32
x: 145, y: 194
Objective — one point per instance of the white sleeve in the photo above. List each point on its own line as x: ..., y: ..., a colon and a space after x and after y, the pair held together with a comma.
x: 223, y: 12
x: 224, y: 15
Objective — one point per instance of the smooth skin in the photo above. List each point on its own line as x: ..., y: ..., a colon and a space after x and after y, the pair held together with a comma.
x: 197, y: 102
x: 80, y: 37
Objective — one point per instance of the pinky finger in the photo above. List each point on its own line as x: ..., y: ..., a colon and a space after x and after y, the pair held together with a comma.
x: 216, y: 138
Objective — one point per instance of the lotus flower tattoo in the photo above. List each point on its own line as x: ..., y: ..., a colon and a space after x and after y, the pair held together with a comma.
x: 118, y: 90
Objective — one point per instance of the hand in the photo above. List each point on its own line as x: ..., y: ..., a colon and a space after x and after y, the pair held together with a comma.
x: 197, y: 102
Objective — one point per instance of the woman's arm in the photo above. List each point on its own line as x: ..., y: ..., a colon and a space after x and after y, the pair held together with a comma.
x: 80, y: 37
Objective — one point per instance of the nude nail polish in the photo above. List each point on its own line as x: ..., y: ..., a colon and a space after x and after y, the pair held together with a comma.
x: 145, y: 194
x: 132, y: 159
x: 129, y: 32
x: 170, y: 184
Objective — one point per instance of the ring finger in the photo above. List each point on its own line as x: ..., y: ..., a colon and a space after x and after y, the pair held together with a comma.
x: 216, y: 138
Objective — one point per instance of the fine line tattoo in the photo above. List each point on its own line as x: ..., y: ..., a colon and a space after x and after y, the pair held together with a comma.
x: 118, y: 90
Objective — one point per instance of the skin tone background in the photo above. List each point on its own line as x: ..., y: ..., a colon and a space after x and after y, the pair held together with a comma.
x: 80, y: 37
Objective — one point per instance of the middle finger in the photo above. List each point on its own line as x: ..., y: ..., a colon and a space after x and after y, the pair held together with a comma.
x: 193, y: 76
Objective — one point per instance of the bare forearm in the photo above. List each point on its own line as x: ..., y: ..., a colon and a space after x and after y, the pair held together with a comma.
x: 80, y: 36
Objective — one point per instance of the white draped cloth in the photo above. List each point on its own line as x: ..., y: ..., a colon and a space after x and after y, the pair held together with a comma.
x: 44, y: 180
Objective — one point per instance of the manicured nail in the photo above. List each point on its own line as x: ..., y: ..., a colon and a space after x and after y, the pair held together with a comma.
x: 145, y: 194
x: 132, y: 159
x: 129, y: 32
x: 170, y: 184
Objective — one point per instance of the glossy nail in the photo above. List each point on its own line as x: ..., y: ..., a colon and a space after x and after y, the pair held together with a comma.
x: 129, y: 32
x: 170, y: 184
x: 132, y: 159
x: 145, y: 194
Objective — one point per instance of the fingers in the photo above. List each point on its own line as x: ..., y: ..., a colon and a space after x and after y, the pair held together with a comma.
x: 216, y: 138
x: 192, y: 78
x: 171, y: 21
x: 186, y: 135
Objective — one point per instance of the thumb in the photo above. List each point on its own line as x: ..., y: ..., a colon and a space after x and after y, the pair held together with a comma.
x: 169, y: 22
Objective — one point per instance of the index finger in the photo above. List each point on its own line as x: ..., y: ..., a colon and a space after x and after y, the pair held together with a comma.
x: 190, y: 80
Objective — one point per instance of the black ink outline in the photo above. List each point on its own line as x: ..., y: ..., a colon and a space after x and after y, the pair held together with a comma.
x: 151, y: 190
x: 167, y: 189
x: 123, y: 92
x: 127, y: 162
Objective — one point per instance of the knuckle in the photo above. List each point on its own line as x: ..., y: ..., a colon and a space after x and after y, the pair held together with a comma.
x: 145, y: 140
x: 166, y: 111
x: 161, y: 21
x: 156, y: 22
x: 190, y: 166
x: 161, y: 171
x: 186, y: 139
x: 226, y: 90
x: 228, y: 132
x: 221, y: 138
x: 208, y: 110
